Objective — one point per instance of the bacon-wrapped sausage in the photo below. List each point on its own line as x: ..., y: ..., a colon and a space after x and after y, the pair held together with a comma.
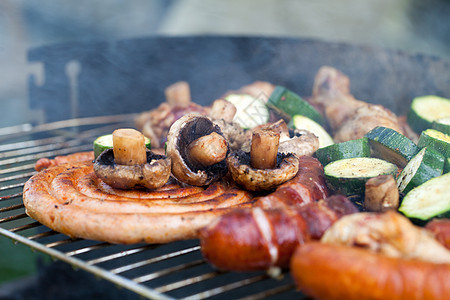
x: 257, y: 239
x: 307, y: 186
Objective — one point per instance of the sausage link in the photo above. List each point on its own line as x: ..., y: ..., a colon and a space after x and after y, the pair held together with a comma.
x: 45, y: 163
x: 257, y: 239
x: 440, y: 228
x: 327, y: 271
x: 308, y: 185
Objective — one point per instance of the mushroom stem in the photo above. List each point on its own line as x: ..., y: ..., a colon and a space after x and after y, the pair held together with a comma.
x: 281, y: 128
x: 223, y: 109
x: 207, y: 150
x: 129, y: 147
x: 178, y: 94
x: 264, y: 149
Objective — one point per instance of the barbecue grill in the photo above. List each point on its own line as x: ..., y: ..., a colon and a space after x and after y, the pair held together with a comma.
x: 117, y: 79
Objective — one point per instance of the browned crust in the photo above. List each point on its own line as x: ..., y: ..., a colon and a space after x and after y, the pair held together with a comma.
x: 45, y: 163
x: 69, y: 199
x: 440, y: 228
x: 326, y: 271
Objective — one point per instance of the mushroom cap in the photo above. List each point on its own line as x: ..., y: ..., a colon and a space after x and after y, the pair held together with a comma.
x: 301, y: 142
x: 154, y: 174
x: 184, y: 131
x: 261, y: 179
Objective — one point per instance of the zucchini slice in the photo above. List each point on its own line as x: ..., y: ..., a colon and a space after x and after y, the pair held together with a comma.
x: 106, y: 142
x: 422, y: 167
x: 390, y: 145
x: 250, y: 111
x: 428, y: 200
x: 426, y: 109
x: 302, y: 122
x: 436, y: 140
x: 349, y: 149
x: 289, y: 104
x: 447, y: 166
x: 348, y: 176
x: 443, y: 125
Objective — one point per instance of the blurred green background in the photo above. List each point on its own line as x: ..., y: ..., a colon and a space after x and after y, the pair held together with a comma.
x: 17, y: 260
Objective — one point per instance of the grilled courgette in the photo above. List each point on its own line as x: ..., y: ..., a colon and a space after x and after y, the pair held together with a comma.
x: 428, y: 200
x: 390, y: 145
x: 349, y: 149
x: 424, y: 166
x: 349, y: 176
x: 426, y: 109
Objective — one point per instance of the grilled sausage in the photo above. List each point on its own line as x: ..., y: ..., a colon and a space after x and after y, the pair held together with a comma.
x: 70, y: 199
x: 45, y: 163
x: 440, y: 228
x: 326, y: 271
x: 307, y: 186
x: 257, y: 239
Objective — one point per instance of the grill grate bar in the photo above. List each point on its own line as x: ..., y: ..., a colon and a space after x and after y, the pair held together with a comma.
x: 88, y: 249
x: 13, y: 218
x: 118, y: 255
x: 12, y: 207
x: 62, y: 242
x: 151, y: 276
x: 12, y: 196
x: 56, y: 143
x: 42, y: 235
x: 271, y: 292
x: 189, y: 281
x: 54, y: 126
x: 42, y: 148
x: 33, y: 157
x: 22, y: 128
x: 31, y: 143
x: 24, y: 227
x: 226, y: 287
x: 153, y: 260
x: 12, y: 186
x: 15, y: 177
x: 17, y: 169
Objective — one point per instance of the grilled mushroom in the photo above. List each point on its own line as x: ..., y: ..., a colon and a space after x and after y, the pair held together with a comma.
x: 298, y: 141
x: 198, y: 150
x: 381, y: 194
x: 264, y: 167
x: 130, y: 165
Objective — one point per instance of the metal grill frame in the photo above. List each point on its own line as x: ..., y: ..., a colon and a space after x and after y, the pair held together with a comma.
x: 21, y: 146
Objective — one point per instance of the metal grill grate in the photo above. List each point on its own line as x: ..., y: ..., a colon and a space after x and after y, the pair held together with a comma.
x: 175, y: 270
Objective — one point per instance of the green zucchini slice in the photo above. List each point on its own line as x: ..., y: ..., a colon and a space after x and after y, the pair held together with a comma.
x: 446, y: 165
x: 289, y: 104
x: 348, y: 176
x: 390, y: 145
x: 426, y: 109
x: 349, y: 149
x: 428, y: 200
x: 302, y: 122
x: 443, y: 125
x: 436, y: 140
x: 106, y: 142
x: 422, y: 167
x: 250, y: 111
